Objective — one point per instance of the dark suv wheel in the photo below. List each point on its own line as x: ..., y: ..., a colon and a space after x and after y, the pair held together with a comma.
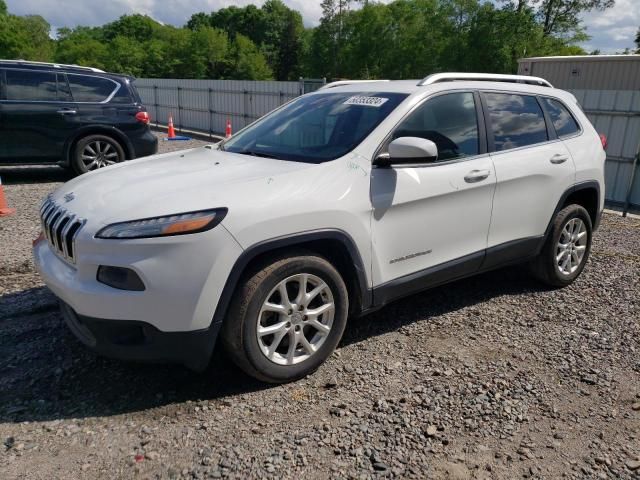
x: 96, y: 151
x: 567, y: 248
x: 286, y: 318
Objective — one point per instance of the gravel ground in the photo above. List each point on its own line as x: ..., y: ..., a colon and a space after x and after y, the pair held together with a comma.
x: 489, y: 377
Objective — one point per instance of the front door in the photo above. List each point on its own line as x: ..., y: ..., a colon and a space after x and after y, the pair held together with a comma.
x: 36, y: 116
x: 430, y: 222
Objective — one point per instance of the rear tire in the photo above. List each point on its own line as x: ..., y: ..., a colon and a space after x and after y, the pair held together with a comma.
x: 567, y: 248
x: 277, y: 334
x: 95, y: 151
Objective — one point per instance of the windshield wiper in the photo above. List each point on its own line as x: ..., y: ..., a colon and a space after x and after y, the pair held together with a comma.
x: 255, y: 153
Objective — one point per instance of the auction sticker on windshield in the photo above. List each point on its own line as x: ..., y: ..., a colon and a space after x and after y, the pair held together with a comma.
x: 366, y: 101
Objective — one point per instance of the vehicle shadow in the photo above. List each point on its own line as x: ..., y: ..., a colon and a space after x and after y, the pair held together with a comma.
x: 49, y: 375
x: 20, y: 175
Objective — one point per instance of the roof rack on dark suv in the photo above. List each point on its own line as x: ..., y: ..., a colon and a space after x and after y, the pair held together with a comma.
x: 71, y: 115
x: 50, y: 65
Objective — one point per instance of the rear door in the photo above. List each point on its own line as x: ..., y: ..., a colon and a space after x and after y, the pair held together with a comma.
x: 37, y: 116
x: 533, y: 170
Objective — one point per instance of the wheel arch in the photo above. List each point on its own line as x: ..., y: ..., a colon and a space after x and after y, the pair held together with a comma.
x: 586, y: 194
x: 335, y: 245
x: 107, y: 130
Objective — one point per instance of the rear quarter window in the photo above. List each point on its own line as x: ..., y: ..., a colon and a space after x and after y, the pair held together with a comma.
x: 562, y: 120
x: 85, y: 88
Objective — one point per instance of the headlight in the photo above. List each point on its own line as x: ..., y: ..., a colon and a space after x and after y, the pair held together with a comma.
x: 180, y: 224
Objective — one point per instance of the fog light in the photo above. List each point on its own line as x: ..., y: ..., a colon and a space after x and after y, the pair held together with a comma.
x: 120, y: 278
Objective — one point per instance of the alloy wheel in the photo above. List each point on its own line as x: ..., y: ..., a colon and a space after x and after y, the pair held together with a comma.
x: 295, y: 319
x: 98, y: 154
x: 571, y: 246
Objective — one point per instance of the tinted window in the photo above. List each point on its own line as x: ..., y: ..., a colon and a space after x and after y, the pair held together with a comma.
x: 28, y: 85
x: 517, y: 120
x: 64, y: 93
x: 316, y: 128
x: 562, y: 120
x: 122, y: 96
x: 90, y: 89
x: 449, y: 121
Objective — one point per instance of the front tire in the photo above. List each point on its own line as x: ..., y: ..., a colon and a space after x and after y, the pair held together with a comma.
x: 95, y: 151
x: 286, y: 318
x: 567, y: 248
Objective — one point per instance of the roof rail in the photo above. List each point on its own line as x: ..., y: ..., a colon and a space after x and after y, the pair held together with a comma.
x: 340, y: 83
x: 483, y: 77
x: 54, y: 65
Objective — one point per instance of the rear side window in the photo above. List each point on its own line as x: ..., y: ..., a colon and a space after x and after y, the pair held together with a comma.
x: 516, y: 120
x: 90, y: 89
x: 562, y: 120
x: 64, y: 94
x: 449, y: 121
x: 31, y: 86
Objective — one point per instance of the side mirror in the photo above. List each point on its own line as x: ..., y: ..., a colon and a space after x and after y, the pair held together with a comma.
x: 408, y: 150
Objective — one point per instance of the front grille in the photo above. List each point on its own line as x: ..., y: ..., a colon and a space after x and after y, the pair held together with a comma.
x: 60, y: 227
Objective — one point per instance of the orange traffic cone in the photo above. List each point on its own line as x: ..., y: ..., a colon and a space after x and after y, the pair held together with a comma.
x: 172, y: 132
x: 4, y: 208
x: 227, y: 132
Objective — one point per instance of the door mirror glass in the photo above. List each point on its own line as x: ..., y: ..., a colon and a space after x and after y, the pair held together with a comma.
x: 408, y: 150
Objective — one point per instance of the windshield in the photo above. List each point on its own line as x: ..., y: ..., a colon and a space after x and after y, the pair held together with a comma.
x: 316, y: 128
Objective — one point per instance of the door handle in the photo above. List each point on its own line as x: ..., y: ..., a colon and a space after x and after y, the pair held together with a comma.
x: 476, y: 176
x: 67, y: 111
x: 558, y: 158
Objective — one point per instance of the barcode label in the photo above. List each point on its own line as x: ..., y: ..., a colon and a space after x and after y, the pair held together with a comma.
x: 376, y: 102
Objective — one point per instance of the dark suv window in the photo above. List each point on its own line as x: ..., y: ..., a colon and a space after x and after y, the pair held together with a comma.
x: 449, y: 121
x: 90, y: 89
x: 562, y: 120
x: 516, y: 120
x: 30, y: 86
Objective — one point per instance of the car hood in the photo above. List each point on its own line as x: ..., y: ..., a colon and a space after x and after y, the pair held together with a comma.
x: 170, y: 183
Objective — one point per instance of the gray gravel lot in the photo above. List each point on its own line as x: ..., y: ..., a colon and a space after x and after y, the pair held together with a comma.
x: 489, y: 377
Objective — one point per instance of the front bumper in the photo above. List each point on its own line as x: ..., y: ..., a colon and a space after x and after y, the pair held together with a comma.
x: 142, y: 342
x: 183, y: 277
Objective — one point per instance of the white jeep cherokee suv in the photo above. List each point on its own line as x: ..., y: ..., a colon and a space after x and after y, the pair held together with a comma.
x: 335, y: 204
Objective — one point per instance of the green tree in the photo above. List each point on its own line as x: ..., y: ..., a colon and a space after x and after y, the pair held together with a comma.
x: 637, y: 40
x: 24, y: 37
x: 276, y: 29
x: 136, y: 27
x: 562, y: 17
x: 81, y: 46
x: 208, y: 51
x: 247, y: 61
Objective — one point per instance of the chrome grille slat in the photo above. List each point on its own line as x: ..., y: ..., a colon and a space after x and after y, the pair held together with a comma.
x: 56, y: 226
x: 46, y: 210
x: 63, y: 235
x: 60, y: 227
x: 53, y: 218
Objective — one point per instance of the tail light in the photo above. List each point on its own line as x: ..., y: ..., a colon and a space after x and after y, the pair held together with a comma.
x: 603, y: 140
x: 143, y: 117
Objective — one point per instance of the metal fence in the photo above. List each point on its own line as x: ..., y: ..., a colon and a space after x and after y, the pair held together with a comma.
x: 205, y: 105
x: 616, y: 113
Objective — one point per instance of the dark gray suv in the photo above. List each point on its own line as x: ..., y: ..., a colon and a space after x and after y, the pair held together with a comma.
x: 74, y: 116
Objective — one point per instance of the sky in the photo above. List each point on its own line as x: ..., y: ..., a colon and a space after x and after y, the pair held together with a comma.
x: 611, y: 31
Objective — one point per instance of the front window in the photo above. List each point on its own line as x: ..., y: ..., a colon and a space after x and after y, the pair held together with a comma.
x: 316, y: 128
x: 449, y: 120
